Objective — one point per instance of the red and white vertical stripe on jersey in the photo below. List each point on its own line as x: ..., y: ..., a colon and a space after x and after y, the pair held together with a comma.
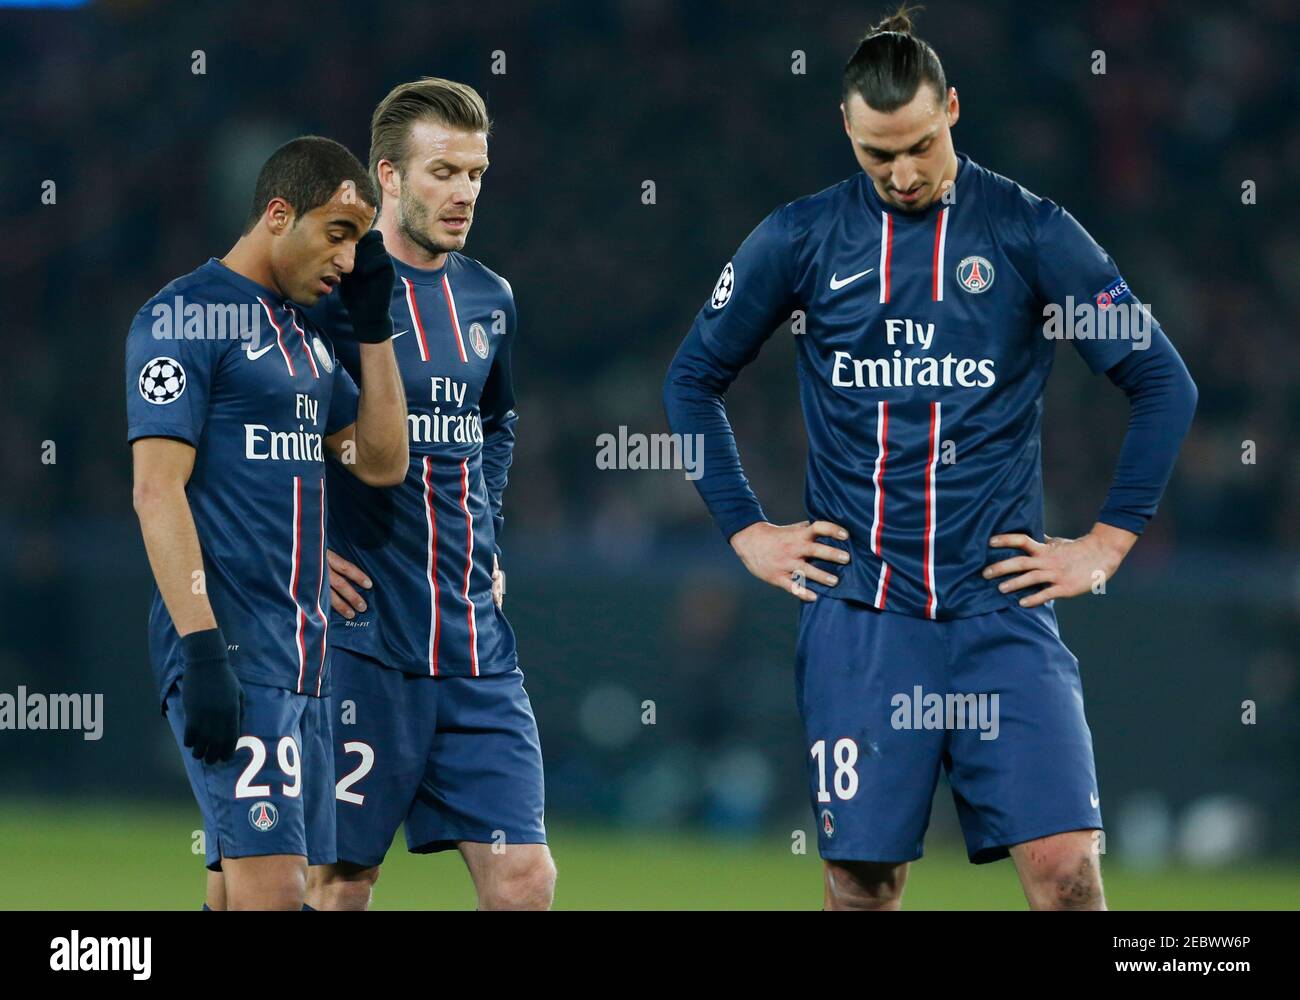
x: 882, y: 585
x: 469, y: 563
x: 878, y: 507
x: 455, y: 321
x: 320, y: 587
x: 288, y: 361
x: 294, y: 573
x: 416, y: 324
x: 940, y: 239
x: 431, y: 565
x: 886, y: 252
x: 302, y: 334
x: 931, y: 512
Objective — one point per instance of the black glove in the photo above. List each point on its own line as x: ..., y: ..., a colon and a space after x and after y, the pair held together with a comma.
x: 367, y: 291
x: 211, y: 695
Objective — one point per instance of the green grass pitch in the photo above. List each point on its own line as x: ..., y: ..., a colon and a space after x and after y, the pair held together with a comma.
x: 138, y: 856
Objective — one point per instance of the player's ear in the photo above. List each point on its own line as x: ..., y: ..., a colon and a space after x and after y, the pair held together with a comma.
x: 954, y: 107
x: 390, y: 180
x: 844, y: 114
x: 279, y: 215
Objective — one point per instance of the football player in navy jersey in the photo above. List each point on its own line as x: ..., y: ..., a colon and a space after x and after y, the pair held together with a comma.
x: 432, y: 726
x: 234, y: 397
x: 931, y: 293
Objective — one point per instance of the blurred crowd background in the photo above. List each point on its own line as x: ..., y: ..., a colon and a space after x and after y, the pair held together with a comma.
x: 621, y: 589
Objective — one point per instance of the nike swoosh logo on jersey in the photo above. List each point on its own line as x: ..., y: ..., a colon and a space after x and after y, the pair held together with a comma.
x: 399, y: 333
x: 254, y: 355
x: 1092, y: 798
x: 840, y: 283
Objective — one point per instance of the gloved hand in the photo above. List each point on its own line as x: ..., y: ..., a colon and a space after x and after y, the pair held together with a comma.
x: 211, y: 695
x: 367, y: 291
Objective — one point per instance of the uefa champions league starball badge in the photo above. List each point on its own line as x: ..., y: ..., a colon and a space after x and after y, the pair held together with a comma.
x: 162, y: 380
x: 722, y: 290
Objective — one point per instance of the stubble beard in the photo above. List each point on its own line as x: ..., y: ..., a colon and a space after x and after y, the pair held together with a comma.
x: 413, y: 222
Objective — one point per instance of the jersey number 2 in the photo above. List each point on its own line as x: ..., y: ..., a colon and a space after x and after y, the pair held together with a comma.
x: 342, y: 790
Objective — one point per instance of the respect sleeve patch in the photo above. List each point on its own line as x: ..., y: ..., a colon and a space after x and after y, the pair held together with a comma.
x: 1117, y: 291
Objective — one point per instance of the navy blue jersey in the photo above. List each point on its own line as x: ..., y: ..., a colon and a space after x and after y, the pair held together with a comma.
x: 921, y: 369
x: 256, y: 402
x: 427, y: 544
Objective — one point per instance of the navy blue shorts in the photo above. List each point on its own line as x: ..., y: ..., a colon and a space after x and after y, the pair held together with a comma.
x: 454, y: 758
x: 275, y: 796
x: 888, y: 699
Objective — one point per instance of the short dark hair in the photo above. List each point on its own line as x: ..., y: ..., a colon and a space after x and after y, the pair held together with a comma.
x: 891, y: 63
x: 306, y: 172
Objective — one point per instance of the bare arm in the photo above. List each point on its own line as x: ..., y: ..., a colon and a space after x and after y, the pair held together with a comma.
x: 162, y: 468
x: 375, y: 449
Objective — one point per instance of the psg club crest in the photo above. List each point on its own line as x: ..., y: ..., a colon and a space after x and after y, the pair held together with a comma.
x: 722, y: 290
x: 162, y: 380
x: 322, y: 354
x: 263, y: 816
x: 478, y: 339
x: 975, y: 274
x: 828, y: 823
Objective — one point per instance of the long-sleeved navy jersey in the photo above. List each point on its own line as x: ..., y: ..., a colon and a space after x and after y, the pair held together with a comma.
x: 427, y: 544
x: 921, y: 366
x: 234, y: 369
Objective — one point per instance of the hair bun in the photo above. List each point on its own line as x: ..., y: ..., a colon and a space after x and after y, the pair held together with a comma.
x: 899, y: 21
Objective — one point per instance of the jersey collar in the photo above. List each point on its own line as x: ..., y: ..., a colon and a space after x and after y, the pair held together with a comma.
x: 421, y: 275
x: 247, y: 285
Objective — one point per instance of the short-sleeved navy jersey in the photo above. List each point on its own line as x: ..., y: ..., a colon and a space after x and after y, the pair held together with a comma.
x: 234, y: 369
x: 427, y: 544
x: 921, y: 368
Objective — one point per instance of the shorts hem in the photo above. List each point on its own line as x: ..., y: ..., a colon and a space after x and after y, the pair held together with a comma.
x: 996, y: 849
x: 369, y: 861
x: 870, y: 856
x: 245, y: 853
x: 434, y: 845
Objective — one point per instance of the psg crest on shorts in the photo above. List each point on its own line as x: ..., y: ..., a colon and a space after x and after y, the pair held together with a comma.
x: 722, y: 290
x: 478, y: 339
x: 162, y: 380
x: 975, y: 274
x: 263, y: 816
x: 828, y: 823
